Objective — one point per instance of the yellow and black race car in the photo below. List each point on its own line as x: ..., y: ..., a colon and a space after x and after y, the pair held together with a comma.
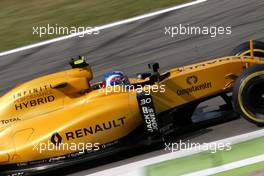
x: 62, y: 119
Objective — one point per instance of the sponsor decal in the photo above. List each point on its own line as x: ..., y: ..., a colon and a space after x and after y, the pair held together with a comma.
x: 150, y: 119
x: 56, y: 139
x: 79, y: 133
x: 35, y: 102
x: 110, y: 144
x: 4, y: 122
x: 16, y: 174
x: 194, y: 87
x: 38, y: 162
x: 57, y: 159
x: 148, y: 113
x: 201, y: 65
x: 36, y: 90
x: 33, y: 97
x: 192, y: 80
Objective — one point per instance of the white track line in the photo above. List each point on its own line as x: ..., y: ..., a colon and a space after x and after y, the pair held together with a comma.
x: 227, y: 167
x: 138, y: 166
x: 102, y: 27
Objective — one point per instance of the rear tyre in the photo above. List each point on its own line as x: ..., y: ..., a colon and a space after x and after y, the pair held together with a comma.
x: 244, y: 49
x: 248, y: 94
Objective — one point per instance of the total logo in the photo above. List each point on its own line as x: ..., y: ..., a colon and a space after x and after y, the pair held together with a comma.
x: 7, y: 121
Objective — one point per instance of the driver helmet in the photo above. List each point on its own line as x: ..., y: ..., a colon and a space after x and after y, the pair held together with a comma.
x: 114, y: 78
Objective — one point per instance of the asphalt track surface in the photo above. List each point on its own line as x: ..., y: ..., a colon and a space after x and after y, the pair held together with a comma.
x: 131, y: 46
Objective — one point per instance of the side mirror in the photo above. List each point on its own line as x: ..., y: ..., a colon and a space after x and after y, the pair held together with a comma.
x: 154, y: 67
x: 155, y: 76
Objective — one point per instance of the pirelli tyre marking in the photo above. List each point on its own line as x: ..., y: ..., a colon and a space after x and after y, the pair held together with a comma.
x: 148, y: 113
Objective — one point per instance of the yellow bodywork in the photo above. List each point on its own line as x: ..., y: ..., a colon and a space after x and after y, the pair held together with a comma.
x: 65, y: 103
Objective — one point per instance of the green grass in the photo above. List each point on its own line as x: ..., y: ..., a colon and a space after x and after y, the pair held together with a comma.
x: 253, y: 169
x: 18, y: 17
x: 207, y: 160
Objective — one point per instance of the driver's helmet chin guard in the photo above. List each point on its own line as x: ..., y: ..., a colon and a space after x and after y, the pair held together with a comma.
x: 114, y: 78
x: 78, y: 62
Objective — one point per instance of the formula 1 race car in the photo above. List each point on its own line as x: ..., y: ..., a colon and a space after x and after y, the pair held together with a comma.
x: 62, y: 119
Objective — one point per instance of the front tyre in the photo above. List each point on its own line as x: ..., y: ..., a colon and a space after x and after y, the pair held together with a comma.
x: 244, y: 49
x: 248, y: 94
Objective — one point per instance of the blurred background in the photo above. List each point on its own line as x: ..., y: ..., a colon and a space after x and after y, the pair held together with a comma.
x: 129, y: 48
x: 18, y: 17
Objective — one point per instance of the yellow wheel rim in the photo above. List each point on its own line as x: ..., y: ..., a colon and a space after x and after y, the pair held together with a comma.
x: 240, y: 100
x: 248, y: 52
